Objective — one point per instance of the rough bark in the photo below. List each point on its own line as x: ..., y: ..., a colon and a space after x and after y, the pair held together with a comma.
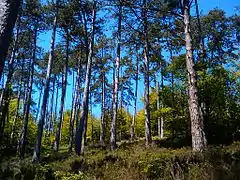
x: 80, y: 133
x: 198, y: 136
x: 8, y: 16
x: 36, y: 153
x: 116, y: 83
x: 64, y: 88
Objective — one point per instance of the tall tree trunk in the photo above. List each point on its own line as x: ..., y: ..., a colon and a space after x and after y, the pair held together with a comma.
x: 91, y: 117
x: 148, y: 134
x: 8, y: 17
x: 36, y: 153
x: 158, y: 107
x: 135, y: 99
x: 74, y: 108
x: 22, y: 141
x: 16, y: 112
x: 79, y: 140
x: 64, y: 88
x: 198, y: 136
x: 52, y: 105
x: 116, y: 83
x: 79, y: 110
x: 162, y: 105
x: 56, y: 99
x: 102, y: 124
x: 39, y: 103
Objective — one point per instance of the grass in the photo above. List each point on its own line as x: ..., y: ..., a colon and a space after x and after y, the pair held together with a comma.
x: 132, y: 160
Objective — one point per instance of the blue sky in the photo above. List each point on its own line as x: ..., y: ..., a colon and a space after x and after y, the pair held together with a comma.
x: 205, y: 5
x: 227, y: 5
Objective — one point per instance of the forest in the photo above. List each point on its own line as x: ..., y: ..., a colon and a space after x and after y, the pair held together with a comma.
x: 119, y: 89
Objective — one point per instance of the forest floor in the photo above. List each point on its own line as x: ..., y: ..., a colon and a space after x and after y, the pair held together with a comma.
x: 132, y: 160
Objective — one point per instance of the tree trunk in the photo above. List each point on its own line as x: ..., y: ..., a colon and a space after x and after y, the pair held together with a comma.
x: 36, y: 153
x: 198, y: 136
x: 5, y: 96
x: 16, y: 112
x: 102, y: 124
x: 74, y: 108
x: 64, y: 88
x: 148, y: 134
x: 52, y: 105
x: 22, y: 141
x: 91, y: 117
x: 116, y: 83
x: 56, y: 99
x: 79, y: 140
x: 39, y: 102
x: 135, y: 100
x: 8, y: 17
x: 158, y: 107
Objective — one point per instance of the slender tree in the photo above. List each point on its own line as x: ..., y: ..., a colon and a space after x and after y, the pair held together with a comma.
x: 64, y: 89
x: 80, y: 133
x: 116, y: 81
x: 135, y: 97
x: 148, y: 134
x: 36, y: 154
x: 22, y: 141
x: 102, y: 124
x: 74, y: 107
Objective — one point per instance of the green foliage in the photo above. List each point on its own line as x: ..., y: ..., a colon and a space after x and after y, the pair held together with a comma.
x: 68, y: 176
x: 132, y: 161
x: 93, y: 129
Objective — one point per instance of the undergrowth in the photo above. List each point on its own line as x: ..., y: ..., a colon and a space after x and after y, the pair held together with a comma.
x: 132, y: 160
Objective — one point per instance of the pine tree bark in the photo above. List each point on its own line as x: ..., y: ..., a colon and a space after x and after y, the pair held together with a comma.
x: 36, y: 153
x: 148, y: 134
x: 8, y: 16
x: 64, y: 88
x: 198, y: 136
x: 135, y: 99
x: 113, y: 144
x: 81, y: 130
